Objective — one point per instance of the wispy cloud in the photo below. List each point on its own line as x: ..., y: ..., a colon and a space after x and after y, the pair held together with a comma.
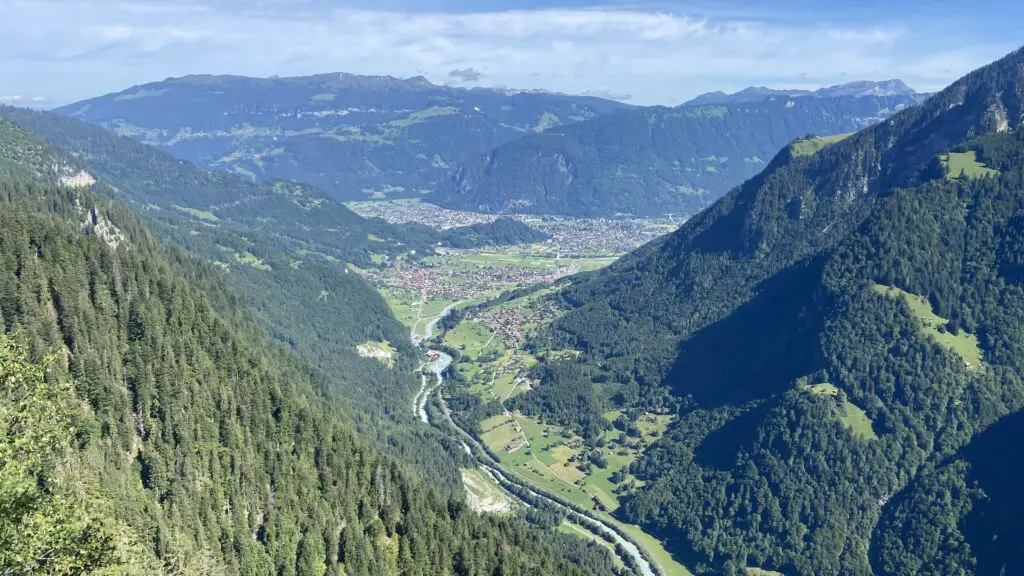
x: 73, y: 49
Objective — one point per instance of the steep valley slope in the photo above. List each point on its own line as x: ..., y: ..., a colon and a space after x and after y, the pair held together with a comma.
x: 650, y: 161
x: 151, y: 427
x: 837, y: 335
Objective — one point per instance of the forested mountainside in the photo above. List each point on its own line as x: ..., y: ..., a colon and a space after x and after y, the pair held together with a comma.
x: 858, y: 88
x: 286, y: 249
x: 650, y: 161
x: 841, y: 338
x: 357, y: 137
x: 151, y: 427
x: 501, y: 232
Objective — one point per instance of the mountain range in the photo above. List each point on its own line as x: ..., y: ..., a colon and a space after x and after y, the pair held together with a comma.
x: 355, y: 137
x: 858, y: 88
x: 841, y: 337
x: 650, y: 161
x: 360, y: 137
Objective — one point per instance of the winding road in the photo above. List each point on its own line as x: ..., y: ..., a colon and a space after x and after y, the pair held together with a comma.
x: 437, y: 367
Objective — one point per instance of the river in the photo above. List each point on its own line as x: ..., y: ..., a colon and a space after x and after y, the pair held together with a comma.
x: 441, y: 363
x: 429, y: 331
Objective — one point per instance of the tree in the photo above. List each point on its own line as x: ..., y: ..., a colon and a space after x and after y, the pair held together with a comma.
x: 43, y: 529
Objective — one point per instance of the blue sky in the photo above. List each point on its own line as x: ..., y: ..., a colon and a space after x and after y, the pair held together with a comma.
x: 662, y: 52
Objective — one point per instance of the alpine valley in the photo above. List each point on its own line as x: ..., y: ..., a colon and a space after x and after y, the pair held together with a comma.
x: 369, y: 326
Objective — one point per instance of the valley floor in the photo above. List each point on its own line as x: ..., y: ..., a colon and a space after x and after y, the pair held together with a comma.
x: 495, y: 367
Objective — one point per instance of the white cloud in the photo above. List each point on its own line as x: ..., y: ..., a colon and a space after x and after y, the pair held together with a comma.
x: 74, y: 49
x: 11, y: 99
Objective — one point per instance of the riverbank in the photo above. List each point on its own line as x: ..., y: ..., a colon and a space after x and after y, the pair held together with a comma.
x: 636, y: 557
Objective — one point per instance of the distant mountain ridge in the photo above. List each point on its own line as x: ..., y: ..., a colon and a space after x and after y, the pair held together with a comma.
x: 356, y: 137
x: 649, y: 161
x: 858, y: 88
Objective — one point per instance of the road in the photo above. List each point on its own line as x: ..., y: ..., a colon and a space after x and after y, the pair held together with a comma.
x: 437, y: 367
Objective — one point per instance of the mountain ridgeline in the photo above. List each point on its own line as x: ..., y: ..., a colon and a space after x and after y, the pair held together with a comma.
x: 651, y: 161
x: 859, y: 88
x: 356, y: 137
x: 841, y: 338
x: 151, y: 427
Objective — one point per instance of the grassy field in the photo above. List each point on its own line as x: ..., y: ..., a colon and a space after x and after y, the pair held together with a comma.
x: 588, y: 264
x: 405, y: 306
x: 434, y: 308
x: 553, y: 456
x: 964, y: 344
x: 504, y: 386
x: 966, y: 163
x: 854, y: 418
x: 250, y: 259
x: 201, y: 214
x: 470, y: 336
x: 402, y: 303
x: 550, y: 461
x: 668, y: 565
x: 808, y: 146
x: 857, y: 421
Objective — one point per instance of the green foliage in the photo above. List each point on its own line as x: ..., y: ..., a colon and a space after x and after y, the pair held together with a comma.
x: 963, y: 343
x: 217, y: 447
x: 965, y: 164
x: 44, y: 529
x: 318, y: 309
x: 501, y: 232
x: 650, y: 161
x: 723, y: 320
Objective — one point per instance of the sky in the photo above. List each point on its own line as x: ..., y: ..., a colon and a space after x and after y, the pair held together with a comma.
x: 54, y: 52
